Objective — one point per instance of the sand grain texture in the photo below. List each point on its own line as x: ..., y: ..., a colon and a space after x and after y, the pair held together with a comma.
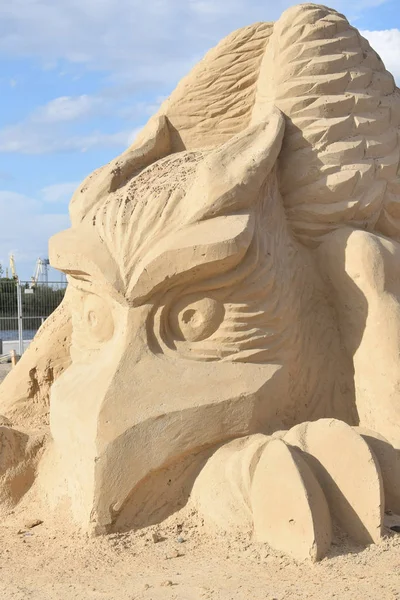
x: 44, y: 565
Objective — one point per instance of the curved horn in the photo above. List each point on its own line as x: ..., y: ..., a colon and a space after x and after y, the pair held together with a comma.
x: 342, y: 111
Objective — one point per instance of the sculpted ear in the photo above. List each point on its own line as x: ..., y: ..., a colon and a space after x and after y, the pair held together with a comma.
x: 232, y: 176
x: 152, y: 145
x: 219, y: 213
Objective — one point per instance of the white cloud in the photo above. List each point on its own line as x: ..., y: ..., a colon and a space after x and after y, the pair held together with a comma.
x: 141, y: 109
x: 47, y: 129
x: 143, y: 46
x: 101, y: 34
x: 58, y: 192
x: 387, y: 44
x: 25, y: 138
x: 143, y: 43
x: 67, y: 108
x: 148, y: 40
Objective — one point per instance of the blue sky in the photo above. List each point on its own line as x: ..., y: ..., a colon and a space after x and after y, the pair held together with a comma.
x: 78, y: 78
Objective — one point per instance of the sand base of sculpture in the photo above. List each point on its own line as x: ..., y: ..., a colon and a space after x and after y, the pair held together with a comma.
x: 230, y: 335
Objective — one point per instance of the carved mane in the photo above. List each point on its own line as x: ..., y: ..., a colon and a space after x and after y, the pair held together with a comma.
x: 340, y: 158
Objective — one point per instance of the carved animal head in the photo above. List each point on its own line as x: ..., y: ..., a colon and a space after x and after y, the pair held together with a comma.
x: 192, y: 307
x: 197, y: 315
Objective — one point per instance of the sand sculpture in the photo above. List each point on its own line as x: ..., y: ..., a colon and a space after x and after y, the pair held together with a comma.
x: 231, y: 328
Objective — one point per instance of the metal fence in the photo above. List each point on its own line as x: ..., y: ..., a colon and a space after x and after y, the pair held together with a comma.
x: 23, y: 308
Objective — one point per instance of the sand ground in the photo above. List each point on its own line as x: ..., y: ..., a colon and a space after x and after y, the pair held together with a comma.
x: 53, y: 561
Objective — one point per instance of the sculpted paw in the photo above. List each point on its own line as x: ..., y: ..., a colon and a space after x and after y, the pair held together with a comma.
x: 287, y: 489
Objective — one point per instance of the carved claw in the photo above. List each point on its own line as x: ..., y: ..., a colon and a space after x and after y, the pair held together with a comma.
x: 389, y: 461
x: 290, y: 511
x: 348, y: 472
x: 287, y: 489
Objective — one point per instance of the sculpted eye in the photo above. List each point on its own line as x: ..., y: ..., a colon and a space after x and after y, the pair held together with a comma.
x: 97, y: 319
x: 92, y: 325
x: 192, y: 319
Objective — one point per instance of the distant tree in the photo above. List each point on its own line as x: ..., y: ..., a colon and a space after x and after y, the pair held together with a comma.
x: 36, y: 306
x: 1, y: 271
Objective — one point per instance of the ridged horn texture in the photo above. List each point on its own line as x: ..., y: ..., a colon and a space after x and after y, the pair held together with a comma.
x: 340, y: 158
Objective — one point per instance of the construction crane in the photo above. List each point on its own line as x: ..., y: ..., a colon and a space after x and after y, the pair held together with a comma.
x: 41, y: 270
x: 13, y: 267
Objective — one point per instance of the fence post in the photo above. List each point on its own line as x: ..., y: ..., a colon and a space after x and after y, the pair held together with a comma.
x: 20, y: 326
